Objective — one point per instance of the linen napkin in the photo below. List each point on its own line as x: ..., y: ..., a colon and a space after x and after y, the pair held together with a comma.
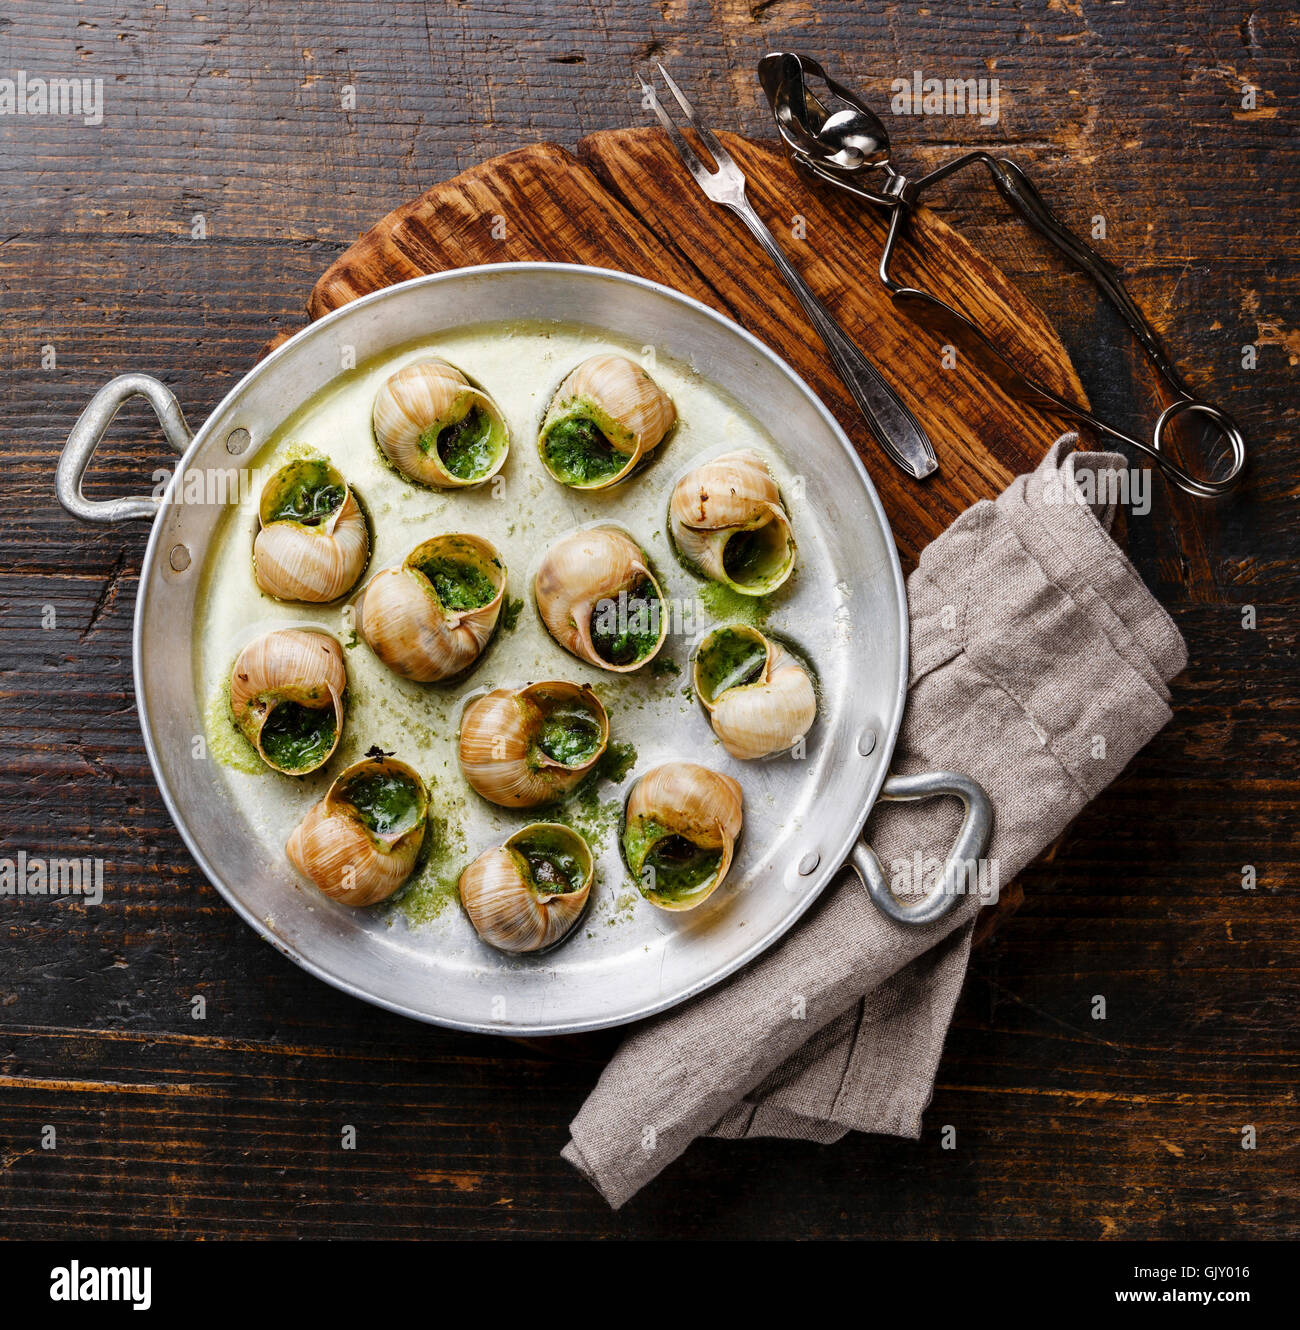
x: 1039, y: 664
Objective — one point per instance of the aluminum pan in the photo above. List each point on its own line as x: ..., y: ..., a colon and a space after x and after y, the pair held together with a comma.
x: 863, y: 666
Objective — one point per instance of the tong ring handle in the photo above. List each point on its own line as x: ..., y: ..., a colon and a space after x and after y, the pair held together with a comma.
x: 1222, y: 422
x: 1018, y: 190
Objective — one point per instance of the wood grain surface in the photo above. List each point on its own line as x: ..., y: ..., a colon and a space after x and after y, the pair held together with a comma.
x: 181, y: 233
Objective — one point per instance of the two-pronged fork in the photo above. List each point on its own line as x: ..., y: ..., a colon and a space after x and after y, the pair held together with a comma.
x: 897, y: 429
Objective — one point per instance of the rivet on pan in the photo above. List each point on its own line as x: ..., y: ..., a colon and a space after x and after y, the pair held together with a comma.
x: 867, y: 742
x: 179, y: 558
x: 237, y: 441
x: 808, y: 864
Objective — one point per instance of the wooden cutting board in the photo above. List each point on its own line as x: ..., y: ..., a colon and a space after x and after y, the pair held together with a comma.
x: 626, y: 202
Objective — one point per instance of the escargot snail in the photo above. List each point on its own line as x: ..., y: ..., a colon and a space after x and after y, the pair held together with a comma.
x: 429, y: 618
x: 599, y: 600
x: 286, y: 695
x: 520, y: 747
x: 605, y: 417
x: 436, y: 427
x: 727, y: 518
x: 680, y: 833
x: 759, y: 698
x: 527, y: 894
x: 361, y: 841
x: 312, y: 544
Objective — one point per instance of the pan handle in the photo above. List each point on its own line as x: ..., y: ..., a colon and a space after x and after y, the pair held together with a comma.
x: 91, y: 428
x: 972, y: 840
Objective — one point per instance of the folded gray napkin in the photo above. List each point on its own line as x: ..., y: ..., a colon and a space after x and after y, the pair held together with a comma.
x: 1039, y: 664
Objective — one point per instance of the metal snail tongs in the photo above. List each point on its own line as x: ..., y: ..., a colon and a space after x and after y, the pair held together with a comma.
x: 835, y: 137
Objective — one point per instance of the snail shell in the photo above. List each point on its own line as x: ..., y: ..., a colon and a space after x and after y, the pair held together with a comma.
x: 429, y: 618
x: 599, y: 600
x: 361, y: 841
x: 680, y: 833
x: 312, y: 544
x: 759, y: 698
x: 523, y: 747
x: 604, y: 418
x: 286, y: 695
x: 437, y: 428
x: 527, y: 894
x: 727, y: 518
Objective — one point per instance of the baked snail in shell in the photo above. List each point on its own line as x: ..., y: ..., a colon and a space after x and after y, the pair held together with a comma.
x: 312, y: 543
x: 437, y: 428
x: 527, y: 894
x: 286, y: 695
x: 361, y: 841
x: 604, y: 419
x: 759, y: 698
x: 599, y: 599
x: 680, y: 831
x: 726, y: 517
x: 429, y: 618
x: 521, y: 747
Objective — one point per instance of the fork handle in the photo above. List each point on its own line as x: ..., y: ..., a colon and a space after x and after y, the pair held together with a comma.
x: 893, y: 424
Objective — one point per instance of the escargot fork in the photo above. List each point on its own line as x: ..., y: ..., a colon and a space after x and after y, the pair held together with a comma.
x: 888, y: 416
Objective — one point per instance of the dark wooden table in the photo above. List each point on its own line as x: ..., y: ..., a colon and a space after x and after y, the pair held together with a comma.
x: 1066, y: 1126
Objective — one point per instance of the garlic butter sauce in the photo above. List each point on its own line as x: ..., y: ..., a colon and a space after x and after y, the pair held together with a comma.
x: 652, y: 716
